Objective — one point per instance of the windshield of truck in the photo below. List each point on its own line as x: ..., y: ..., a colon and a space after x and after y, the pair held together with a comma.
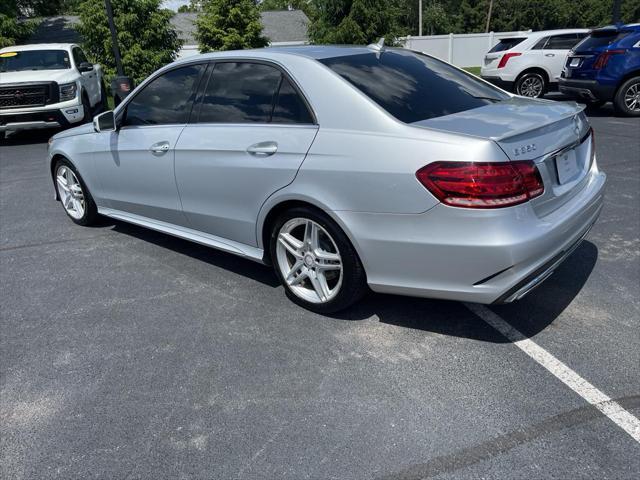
x: 34, y: 60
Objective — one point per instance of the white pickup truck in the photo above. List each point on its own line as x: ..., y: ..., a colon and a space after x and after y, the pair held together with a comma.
x: 47, y: 86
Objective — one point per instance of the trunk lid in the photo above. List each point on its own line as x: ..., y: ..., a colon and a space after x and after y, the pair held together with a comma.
x: 555, y: 135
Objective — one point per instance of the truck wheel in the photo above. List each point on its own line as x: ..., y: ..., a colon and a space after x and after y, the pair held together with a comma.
x: 86, y: 106
x: 627, y: 99
x: 104, y: 104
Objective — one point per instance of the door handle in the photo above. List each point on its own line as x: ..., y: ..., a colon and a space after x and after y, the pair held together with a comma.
x: 549, y: 54
x: 263, y: 149
x: 160, y: 147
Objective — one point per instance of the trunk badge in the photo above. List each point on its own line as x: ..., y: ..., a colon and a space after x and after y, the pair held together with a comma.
x: 522, y: 149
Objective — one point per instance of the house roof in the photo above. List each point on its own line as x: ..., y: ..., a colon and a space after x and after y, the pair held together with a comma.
x: 279, y: 26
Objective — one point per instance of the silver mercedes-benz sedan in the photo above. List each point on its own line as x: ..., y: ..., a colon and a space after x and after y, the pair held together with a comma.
x: 345, y: 168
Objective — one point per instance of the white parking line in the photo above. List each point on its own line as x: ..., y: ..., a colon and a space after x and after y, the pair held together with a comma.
x: 612, y: 410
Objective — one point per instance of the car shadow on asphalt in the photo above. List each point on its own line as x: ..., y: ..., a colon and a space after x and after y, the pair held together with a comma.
x: 217, y: 258
x: 28, y: 137
x: 530, y: 315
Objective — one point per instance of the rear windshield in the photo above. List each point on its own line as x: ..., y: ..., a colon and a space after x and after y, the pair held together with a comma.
x: 34, y: 60
x: 506, y: 44
x: 412, y: 86
x: 598, y: 39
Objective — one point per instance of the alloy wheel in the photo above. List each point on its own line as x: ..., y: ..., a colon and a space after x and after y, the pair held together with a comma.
x: 70, y: 192
x: 531, y: 87
x: 309, y: 260
x: 632, y: 97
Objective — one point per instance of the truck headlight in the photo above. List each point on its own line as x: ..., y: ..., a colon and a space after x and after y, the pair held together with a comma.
x: 68, y: 91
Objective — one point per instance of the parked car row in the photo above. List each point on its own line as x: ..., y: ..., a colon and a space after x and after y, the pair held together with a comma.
x: 595, y: 66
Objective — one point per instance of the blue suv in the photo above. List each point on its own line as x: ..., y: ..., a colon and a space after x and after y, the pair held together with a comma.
x: 605, y: 67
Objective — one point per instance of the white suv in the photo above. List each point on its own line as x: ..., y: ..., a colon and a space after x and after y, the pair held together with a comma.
x: 530, y: 64
x: 47, y: 85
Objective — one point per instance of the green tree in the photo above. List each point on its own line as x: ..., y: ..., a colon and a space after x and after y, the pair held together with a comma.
x: 307, y: 6
x: 357, y: 21
x: 12, y: 30
x: 191, y: 7
x: 229, y: 25
x: 146, y: 38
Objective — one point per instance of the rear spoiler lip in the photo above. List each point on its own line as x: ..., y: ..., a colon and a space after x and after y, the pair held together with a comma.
x: 579, y: 109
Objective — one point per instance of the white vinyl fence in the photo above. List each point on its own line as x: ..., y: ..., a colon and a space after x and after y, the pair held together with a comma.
x: 463, y: 50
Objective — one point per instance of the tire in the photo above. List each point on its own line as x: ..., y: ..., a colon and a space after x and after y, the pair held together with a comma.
x: 86, y: 107
x: 79, y: 193
x: 104, y: 104
x: 627, y: 99
x: 531, y: 84
x: 341, y: 280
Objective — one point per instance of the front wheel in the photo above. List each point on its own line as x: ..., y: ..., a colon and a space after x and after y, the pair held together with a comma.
x: 627, y: 99
x: 532, y: 85
x: 86, y: 107
x: 76, y: 200
x: 315, y: 261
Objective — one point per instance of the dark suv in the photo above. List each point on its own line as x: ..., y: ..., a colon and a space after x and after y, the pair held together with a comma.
x: 605, y: 67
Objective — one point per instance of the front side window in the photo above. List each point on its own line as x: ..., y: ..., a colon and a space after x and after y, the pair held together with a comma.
x: 79, y: 56
x: 34, y: 60
x: 412, y: 86
x: 244, y: 92
x: 165, y: 100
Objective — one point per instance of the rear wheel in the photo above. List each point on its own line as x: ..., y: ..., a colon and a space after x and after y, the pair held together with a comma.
x: 531, y: 84
x: 315, y: 261
x: 627, y: 99
x: 76, y: 200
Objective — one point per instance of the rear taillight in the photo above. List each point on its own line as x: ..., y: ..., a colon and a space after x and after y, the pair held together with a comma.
x: 482, y: 185
x: 604, y: 57
x: 505, y: 58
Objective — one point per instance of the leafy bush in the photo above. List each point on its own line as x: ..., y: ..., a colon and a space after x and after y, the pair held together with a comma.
x: 229, y: 25
x: 13, y: 31
x: 146, y: 37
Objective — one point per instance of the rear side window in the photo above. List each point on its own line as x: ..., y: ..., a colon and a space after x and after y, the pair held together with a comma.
x: 562, y: 42
x: 412, y: 86
x: 289, y: 106
x: 506, y: 44
x: 165, y: 100
x: 244, y: 92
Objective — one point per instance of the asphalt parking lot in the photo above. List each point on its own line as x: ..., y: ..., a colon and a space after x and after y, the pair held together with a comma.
x: 126, y: 353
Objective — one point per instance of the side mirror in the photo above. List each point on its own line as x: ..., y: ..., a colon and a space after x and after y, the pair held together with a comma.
x: 85, y: 67
x: 105, y: 122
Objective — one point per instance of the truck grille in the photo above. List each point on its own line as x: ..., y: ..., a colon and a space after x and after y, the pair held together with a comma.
x: 24, y: 96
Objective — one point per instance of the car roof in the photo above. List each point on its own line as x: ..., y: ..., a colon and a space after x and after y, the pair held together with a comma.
x: 38, y: 46
x: 544, y: 33
x: 316, y: 52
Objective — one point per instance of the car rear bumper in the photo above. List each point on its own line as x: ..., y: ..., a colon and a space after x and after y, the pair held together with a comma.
x: 483, y: 256
x: 586, y: 89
